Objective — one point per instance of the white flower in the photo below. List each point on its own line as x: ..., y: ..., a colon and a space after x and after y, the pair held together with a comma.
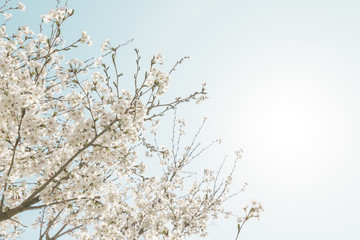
x: 85, y: 38
x: 46, y: 18
x: 2, y: 31
x: 105, y: 45
x: 98, y: 61
x: 7, y: 15
x: 159, y: 59
x: 21, y: 6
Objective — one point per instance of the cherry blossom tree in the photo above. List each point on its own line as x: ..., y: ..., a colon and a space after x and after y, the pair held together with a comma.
x: 73, y: 144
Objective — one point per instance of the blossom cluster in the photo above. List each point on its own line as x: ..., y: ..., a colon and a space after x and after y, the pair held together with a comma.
x: 159, y: 80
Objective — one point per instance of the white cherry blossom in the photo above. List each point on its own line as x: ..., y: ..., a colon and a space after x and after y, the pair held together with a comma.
x: 21, y: 6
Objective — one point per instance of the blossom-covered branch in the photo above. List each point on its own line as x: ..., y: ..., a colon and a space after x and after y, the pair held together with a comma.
x: 71, y: 136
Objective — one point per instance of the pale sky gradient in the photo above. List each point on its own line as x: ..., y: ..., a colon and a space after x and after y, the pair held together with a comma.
x: 284, y: 85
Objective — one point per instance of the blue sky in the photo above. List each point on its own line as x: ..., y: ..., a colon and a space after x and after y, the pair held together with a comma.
x: 283, y: 80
